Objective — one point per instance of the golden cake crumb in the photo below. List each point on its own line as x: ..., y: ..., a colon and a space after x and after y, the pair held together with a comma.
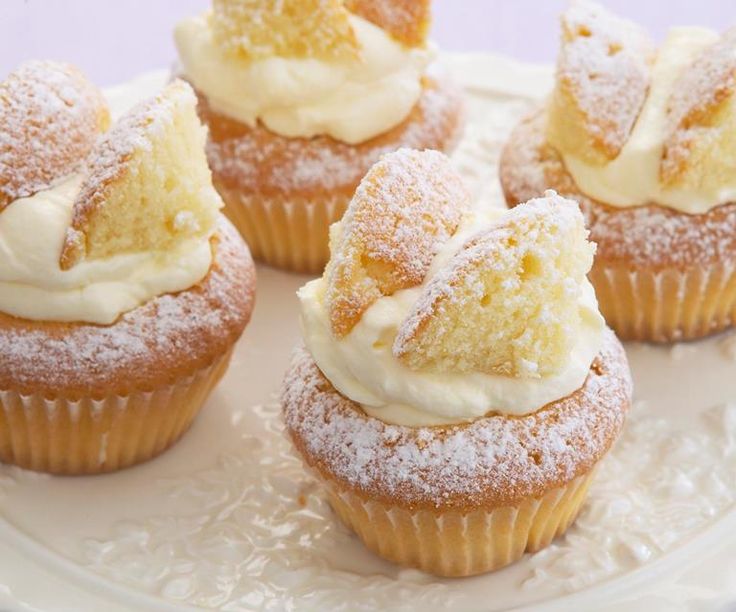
x: 507, y: 302
x: 147, y: 186
x: 257, y: 29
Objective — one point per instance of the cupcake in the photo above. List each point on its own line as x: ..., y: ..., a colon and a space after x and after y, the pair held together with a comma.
x: 644, y: 139
x: 301, y: 98
x: 457, y: 385
x: 122, y: 287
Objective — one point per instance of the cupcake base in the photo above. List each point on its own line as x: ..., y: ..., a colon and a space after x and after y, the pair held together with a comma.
x: 666, y: 305
x: 457, y: 500
x: 453, y: 543
x: 282, y: 232
x: 96, y: 435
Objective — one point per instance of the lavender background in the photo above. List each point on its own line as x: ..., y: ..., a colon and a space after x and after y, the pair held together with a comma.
x: 114, y: 40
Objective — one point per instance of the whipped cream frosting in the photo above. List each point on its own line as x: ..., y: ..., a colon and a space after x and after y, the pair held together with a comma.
x: 351, y: 101
x: 33, y: 286
x: 632, y: 178
x: 362, y: 367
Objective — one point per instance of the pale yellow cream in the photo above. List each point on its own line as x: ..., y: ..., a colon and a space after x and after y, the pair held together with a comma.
x: 351, y: 101
x: 33, y: 286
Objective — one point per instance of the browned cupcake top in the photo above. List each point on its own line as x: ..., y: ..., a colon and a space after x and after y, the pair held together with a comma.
x: 492, y: 461
x: 651, y: 237
x: 165, y: 339
x: 259, y: 161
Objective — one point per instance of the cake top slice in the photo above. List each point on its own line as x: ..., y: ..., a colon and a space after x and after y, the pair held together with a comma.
x: 147, y: 186
x: 255, y: 29
x: 407, y: 21
x: 508, y: 302
x: 700, y: 141
x: 602, y: 80
x: 408, y: 204
x: 50, y: 116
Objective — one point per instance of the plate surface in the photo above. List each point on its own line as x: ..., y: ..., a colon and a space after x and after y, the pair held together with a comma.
x: 228, y: 519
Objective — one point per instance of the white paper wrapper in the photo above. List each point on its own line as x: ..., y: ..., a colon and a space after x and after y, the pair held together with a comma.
x: 293, y: 235
x: 93, y: 435
x: 666, y: 305
x: 454, y: 543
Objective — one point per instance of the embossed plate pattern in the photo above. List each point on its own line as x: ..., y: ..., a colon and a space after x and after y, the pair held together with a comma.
x: 229, y: 520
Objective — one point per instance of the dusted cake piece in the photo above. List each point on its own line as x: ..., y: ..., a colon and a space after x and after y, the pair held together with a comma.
x: 603, y: 76
x: 147, y: 183
x: 284, y: 28
x: 503, y: 303
x: 408, y: 21
x: 50, y: 116
x: 408, y: 204
x: 700, y: 147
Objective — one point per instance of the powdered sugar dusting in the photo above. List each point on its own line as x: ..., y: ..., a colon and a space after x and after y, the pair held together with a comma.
x: 603, y: 64
x: 49, y: 118
x: 493, y: 459
x: 650, y: 236
x: 176, y: 333
x: 406, y: 204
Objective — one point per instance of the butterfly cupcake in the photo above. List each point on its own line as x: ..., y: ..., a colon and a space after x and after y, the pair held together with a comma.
x: 643, y: 137
x: 123, y: 289
x: 457, y: 385
x: 301, y: 98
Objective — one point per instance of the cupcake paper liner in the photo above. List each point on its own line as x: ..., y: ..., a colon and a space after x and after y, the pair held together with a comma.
x: 284, y: 233
x: 94, y: 435
x: 667, y: 305
x: 455, y: 543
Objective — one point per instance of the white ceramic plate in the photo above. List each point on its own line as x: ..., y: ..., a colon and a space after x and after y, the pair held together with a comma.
x: 227, y: 519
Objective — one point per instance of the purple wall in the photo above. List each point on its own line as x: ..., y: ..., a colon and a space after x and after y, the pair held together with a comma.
x: 113, y: 40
